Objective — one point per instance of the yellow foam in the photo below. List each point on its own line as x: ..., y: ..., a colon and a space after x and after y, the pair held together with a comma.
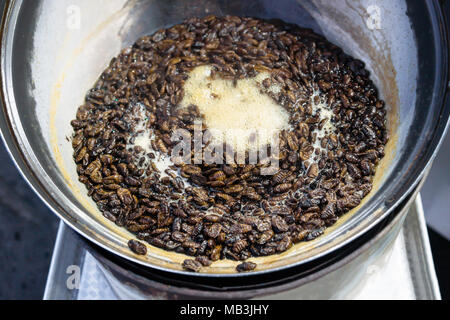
x: 236, y: 112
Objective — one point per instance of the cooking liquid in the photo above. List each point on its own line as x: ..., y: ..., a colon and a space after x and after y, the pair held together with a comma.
x: 238, y: 113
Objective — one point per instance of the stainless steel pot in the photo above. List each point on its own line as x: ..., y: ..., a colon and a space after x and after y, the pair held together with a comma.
x: 53, y: 51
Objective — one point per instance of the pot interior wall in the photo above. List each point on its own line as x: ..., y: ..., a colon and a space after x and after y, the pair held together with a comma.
x: 60, y: 49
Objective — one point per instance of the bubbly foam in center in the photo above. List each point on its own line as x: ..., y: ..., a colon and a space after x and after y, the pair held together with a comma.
x: 236, y: 112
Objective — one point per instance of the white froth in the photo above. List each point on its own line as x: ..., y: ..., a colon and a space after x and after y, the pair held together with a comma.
x: 143, y: 139
x: 325, y: 113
